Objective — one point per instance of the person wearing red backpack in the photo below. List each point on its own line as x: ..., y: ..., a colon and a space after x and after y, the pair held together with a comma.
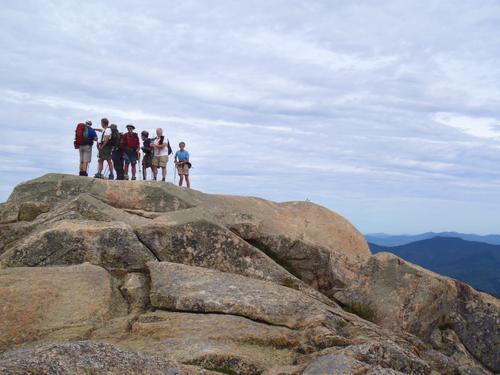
x: 84, y: 140
x: 131, y: 147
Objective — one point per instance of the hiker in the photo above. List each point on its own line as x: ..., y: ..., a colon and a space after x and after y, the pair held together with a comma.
x: 131, y: 147
x: 147, y: 150
x: 161, y: 149
x: 182, y: 164
x: 84, y: 141
x: 116, y: 151
x: 105, y: 150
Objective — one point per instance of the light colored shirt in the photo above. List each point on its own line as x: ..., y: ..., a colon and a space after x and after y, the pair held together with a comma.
x: 106, y: 133
x: 161, y: 151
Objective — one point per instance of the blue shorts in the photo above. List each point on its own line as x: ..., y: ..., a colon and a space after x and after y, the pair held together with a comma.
x: 130, y: 158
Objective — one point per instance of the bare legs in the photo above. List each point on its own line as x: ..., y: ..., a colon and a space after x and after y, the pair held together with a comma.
x: 181, y: 180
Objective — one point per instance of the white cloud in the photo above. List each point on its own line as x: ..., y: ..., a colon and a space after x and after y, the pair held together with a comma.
x: 481, y: 127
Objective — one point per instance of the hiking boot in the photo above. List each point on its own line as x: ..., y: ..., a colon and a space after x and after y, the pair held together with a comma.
x: 111, y: 176
x: 163, y: 179
x: 98, y: 175
x: 81, y: 173
x: 133, y: 178
x: 154, y: 178
x: 125, y: 177
x: 85, y: 174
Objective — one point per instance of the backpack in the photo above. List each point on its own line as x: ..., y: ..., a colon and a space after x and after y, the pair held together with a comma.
x: 81, y: 135
x: 115, y: 138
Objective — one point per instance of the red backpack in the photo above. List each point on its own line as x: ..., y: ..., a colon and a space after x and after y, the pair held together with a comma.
x: 131, y: 140
x: 81, y: 135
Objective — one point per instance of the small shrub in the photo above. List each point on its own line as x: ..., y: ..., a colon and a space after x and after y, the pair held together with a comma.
x: 224, y: 370
x: 275, y: 257
x: 361, y: 310
x: 446, y: 325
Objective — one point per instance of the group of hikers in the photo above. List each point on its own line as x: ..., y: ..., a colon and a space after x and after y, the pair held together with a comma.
x: 122, y: 152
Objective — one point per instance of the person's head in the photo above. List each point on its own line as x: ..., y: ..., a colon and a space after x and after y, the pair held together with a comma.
x: 104, y: 123
x: 113, y: 127
x: 144, y: 135
x: 182, y: 145
x: 130, y: 128
x: 159, y: 132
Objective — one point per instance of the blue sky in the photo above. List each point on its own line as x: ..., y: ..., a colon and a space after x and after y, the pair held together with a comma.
x: 387, y: 112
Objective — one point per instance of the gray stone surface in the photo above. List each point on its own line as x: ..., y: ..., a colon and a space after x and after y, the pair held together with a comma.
x: 186, y: 288
x: 83, y: 358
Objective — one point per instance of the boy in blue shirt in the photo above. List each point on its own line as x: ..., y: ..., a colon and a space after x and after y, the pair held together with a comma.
x: 182, y: 163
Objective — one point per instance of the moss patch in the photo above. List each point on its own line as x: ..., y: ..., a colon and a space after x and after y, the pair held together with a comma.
x: 275, y: 257
x: 446, y: 325
x: 361, y: 310
x: 224, y: 370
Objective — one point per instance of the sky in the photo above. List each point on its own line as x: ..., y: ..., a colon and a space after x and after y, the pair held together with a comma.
x: 387, y: 112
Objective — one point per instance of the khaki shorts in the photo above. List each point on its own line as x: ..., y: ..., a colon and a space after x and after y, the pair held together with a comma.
x: 147, y: 161
x: 182, y: 169
x: 160, y: 161
x: 85, y: 153
x: 105, y: 153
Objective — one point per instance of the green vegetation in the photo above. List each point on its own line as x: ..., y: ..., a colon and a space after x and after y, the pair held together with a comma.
x: 275, y: 257
x: 361, y: 310
x: 224, y: 370
x: 446, y: 325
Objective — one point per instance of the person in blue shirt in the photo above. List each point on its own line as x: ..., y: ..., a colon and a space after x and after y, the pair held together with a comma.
x: 182, y: 163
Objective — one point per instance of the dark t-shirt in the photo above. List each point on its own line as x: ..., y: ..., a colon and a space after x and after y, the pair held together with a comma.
x: 146, y: 146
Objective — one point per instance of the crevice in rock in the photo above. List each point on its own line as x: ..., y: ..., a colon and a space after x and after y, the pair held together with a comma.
x: 150, y: 215
x: 229, y: 314
x: 274, y: 256
x: 147, y: 247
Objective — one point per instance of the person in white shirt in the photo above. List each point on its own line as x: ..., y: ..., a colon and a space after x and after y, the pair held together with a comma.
x: 161, y: 150
x: 105, y: 150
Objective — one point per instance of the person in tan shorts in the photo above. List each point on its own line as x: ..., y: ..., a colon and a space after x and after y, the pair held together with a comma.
x: 161, y: 148
x: 182, y: 164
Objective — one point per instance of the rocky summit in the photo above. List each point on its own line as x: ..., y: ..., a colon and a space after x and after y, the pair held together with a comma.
x: 129, y: 277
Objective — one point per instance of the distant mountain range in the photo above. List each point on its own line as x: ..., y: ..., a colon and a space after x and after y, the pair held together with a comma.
x: 476, y: 263
x: 384, y: 239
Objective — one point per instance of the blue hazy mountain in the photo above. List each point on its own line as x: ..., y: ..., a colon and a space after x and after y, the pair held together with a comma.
x: 384, y: 239
x: 475, y: 263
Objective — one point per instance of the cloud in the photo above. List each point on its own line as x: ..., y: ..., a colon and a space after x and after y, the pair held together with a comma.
x: 481, y: 127
x: 374, y: 110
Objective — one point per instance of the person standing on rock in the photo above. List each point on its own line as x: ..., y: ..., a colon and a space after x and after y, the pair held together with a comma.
x: 85, y: 136
x: 182, y: 164
x: 105, y: 150
x: 161, y: 147
x: 131, y: 147
x: 117, y: 152
x: 147, y: 150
